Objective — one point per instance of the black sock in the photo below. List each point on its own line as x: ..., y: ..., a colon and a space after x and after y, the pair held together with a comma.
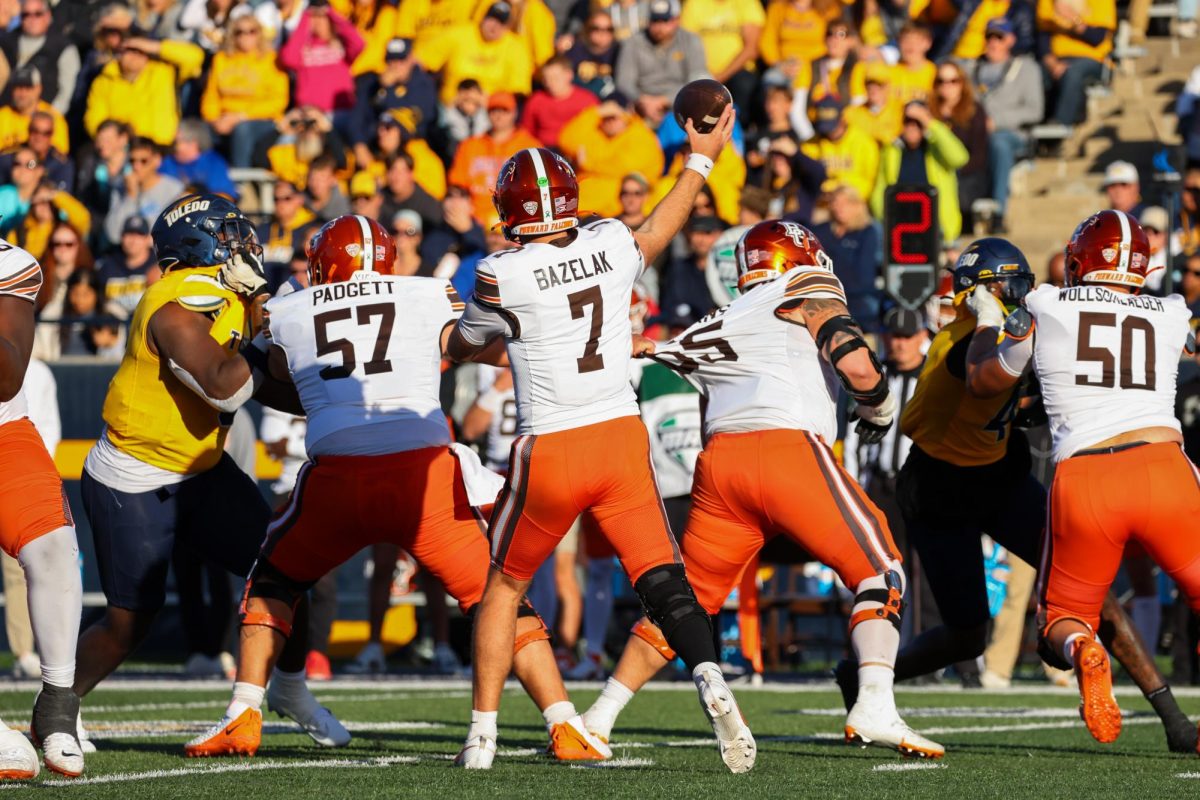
x: 692, y: 640
x: 1165, y: 706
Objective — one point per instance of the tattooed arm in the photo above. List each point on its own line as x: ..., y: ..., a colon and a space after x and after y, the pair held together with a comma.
x: 832, y: 328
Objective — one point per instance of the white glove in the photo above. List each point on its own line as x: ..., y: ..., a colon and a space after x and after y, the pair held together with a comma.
x: 986, y: 307
x: 874, y: 421
x: 243, y: 273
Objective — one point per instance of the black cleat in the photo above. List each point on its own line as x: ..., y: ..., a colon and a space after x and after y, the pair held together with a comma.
x: 1181, y: 736
x: 845, y: 674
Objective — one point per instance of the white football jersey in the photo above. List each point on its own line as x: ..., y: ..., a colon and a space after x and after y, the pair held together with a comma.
x: 20, y: 276
x: 365, y: 355
x: 565, y: 314
x: 1106, y: 361
x: 502, y: 429
x: 760, y: 372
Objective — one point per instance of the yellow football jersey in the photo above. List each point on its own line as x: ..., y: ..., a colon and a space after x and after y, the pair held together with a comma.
x: 150, y: 414
x: 943, y: 418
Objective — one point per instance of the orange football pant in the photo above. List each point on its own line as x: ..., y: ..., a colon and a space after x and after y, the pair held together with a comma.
x: 749, y: 487
x: 552, y: 478
x: 32, y: 500
x: 1150, y: 494
x: 415, y: 499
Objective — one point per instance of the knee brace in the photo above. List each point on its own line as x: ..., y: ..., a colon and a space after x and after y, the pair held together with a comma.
x: 653, y: 637
x: 268, y: 583
x: 538, y: 634
x: 668, y: 599
x: 879, y: 597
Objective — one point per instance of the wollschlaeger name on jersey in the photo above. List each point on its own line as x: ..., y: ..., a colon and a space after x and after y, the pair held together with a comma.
x: 20, y: 276
x: 1107, y: 362
x: 760, y: 372
x: 565, y: 314
x: 367, y: 353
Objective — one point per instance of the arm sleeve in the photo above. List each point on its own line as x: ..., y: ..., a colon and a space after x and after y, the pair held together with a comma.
x: 187, y: 58
x: 479, y: 324
x: 946, y: 147
x: 68, y: 73
x: 1015, y: 354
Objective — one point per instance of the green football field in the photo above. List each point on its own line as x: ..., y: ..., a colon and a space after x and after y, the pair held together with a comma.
x: 999, y: 744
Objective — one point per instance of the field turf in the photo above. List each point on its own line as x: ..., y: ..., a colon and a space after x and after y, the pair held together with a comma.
x: 999, y: 744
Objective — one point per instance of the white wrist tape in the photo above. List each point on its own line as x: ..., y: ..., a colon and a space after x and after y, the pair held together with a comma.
x: 699, y: 163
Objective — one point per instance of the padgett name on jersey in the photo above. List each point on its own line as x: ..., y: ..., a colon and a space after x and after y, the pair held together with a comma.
x: 329, y: 292
x: 571, y: 271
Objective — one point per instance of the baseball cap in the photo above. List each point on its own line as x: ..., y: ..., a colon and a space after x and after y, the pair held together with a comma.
x: 136, y: 224
x: 878, y: 73
x: 1000, y: 25
x: 27, y: 76
x: 826, y: 115
x: 903, y: 322
x: 661, y: 10
x: 398, y: 49
x: 407, y: 218
x: 363, y: 185
x: 502, y: 100
x: 1155, y: 217
x: 1120, y: 172
x: 614, y: 103
x: 500, y: 11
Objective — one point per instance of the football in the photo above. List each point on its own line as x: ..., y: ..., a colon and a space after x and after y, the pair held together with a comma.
x: 702, y: 102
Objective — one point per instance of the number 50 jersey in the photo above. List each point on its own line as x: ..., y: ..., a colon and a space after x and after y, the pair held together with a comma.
x: 365, y: 355
x: 1107, y: 362
x: 757, y: 370
x: 564, y: 312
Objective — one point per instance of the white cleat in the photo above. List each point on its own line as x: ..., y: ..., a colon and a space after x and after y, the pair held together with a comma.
x: 18, y: 759
x: 63, y: 754
x: 734, y: 740
x: 883, y: 727
x: 86, y: 745
x: 478, y: 752
x: 316, y: 720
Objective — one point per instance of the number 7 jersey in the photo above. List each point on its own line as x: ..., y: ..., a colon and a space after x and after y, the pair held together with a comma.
x: 564, y: 312
x: 1107, y: 362
x: 365, y: 355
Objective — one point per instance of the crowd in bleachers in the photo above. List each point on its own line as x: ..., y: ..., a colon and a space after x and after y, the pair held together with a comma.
x: 405, y: 111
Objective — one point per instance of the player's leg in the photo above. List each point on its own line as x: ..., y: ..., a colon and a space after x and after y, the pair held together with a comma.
x: 36, y: 528
x: 829, y: 514
x: 570, y: 595
x: 598, y: 600
x: 1085, y: 539
x: 629, y: 512
x: 715, y: 549
x: 371, y: 659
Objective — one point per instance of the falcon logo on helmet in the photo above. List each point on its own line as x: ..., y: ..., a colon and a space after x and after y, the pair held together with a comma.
x: 537, y: 193
x: 1108, y: 247
x: 347, y: 245
x: 771, y: 248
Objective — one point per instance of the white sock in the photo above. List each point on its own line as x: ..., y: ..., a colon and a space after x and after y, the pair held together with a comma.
x: 245, y: 695
x: 1147, y: 618
x: 559, y: 712
x: 51, y: 565
x: 1069, y: 646
x: 597, y: 604
x: 483, y: 723
x: 706, y: 666
x: 601, y: 717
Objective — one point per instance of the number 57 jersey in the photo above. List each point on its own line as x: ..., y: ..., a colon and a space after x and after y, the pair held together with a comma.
x: 365, y: 356
x: 564, y: 312
x: 757, y: 370
x: 1106, y: 361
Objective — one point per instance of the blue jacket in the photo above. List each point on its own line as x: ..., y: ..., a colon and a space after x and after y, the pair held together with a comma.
x: 856, y: 258
x: 417, y: 99
x: 209, y: 173
x: 12, y: 208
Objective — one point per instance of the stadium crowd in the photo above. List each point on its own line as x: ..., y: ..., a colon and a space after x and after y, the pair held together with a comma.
x: 404, y: 112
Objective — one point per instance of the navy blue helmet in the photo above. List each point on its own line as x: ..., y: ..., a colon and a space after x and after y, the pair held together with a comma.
x: 994, y: 260
x: 201, y: 230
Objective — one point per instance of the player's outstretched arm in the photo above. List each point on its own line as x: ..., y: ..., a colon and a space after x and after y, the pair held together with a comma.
x: 275, y: 388
x: 16, y: 344
x: 996, y: 361
x: 182, y: 341
x: 668, y: 217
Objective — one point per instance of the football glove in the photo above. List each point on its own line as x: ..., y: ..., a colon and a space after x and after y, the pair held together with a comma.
x: 987, y: 308
x: 874, y: 421
x: 243, y: 273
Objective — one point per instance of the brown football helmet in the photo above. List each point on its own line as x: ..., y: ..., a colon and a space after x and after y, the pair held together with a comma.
x: 348, y: 244
x: 537, y: 193
x: 771, y: 248
x: 1108, y: 247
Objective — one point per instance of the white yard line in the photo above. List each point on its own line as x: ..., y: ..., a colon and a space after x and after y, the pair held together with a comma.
x: 615, y: 763
x: 906, y: 767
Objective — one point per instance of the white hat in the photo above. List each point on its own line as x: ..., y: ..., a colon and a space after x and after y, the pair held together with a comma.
x: 1120, y: 172
x: 1155, y: 217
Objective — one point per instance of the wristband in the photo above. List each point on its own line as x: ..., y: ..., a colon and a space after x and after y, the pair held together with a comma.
x: 490, y: 400
x: 699, y: 163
